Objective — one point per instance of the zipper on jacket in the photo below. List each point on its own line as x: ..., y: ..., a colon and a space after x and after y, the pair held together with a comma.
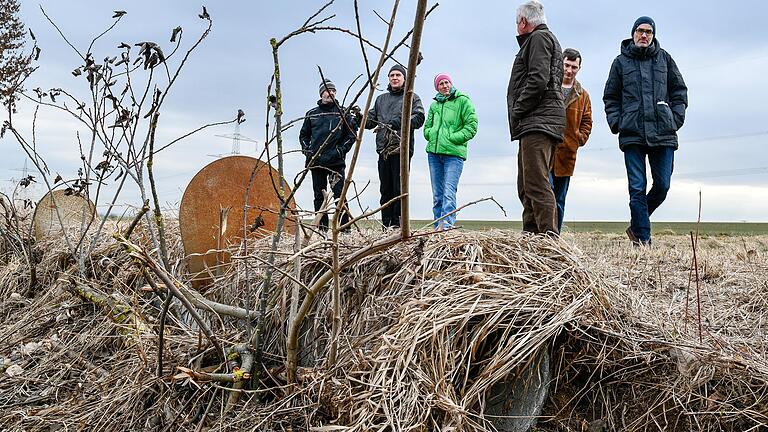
x: 437, y: 137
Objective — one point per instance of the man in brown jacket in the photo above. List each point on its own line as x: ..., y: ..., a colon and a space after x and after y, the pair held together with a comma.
x: 536, y: 115
x: 578, y: 126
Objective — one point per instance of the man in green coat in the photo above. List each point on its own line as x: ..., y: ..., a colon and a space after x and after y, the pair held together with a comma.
x: 451, y: 123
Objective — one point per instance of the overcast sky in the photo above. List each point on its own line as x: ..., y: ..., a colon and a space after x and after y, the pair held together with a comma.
x: 718, y: 48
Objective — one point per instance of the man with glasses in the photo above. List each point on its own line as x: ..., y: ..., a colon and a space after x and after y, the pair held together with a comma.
x: 645, y: 101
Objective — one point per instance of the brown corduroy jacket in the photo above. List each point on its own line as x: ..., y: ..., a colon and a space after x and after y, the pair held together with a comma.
x: 578, y: 126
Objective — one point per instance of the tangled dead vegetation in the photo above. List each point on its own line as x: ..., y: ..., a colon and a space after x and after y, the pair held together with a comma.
x: 429, y: 326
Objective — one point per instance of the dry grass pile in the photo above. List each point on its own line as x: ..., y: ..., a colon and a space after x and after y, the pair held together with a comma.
x: 435, y: 323
x: 81, y: 354
x: 640, y: 362
x: 429, y: 326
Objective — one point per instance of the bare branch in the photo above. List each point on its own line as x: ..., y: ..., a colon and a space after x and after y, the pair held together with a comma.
x: 317, y: 13
x: 141, y: 257
x: 61, y: 33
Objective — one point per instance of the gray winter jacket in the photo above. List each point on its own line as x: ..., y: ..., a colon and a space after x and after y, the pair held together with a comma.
x: 387, y: 113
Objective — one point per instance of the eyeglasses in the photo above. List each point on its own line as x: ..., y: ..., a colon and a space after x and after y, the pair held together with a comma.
x: 648, y: 32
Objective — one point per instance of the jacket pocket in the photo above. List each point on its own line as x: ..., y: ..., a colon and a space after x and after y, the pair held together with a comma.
x: 666, y: 122
x: 630, y: 119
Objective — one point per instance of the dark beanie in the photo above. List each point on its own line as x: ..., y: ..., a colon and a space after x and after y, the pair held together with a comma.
x: 643, y: 20
x: 327, y: 84
x: 397, y: 67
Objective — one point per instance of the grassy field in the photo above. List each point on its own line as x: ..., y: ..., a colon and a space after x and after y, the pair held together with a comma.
x: 671, y: 228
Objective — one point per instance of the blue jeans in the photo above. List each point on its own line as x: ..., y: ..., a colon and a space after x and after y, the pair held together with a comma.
x: 642, y: 204
x: 560, y: 189
x: 444, y: 171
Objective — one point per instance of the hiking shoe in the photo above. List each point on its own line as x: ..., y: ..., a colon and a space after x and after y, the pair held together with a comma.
x: 635, y: 241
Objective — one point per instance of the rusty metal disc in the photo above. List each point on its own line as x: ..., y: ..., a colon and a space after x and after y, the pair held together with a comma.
x: 214, y: 202
x: 57, y: 212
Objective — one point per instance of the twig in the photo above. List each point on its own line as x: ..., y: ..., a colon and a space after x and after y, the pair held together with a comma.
x: 291, y: 363
x: 61, y: 33
x: 141, y: 257
x: 144, y: 209
x: 163, y: 252
x: 405, y: 127
x: 188, y: 134
x: 319, y: 11
x: 467, y: 205
x: 698, y: 287
x: 161, y: 334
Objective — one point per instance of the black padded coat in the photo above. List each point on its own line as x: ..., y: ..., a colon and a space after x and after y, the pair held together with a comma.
x: 325, y: 134
x: 645, y: 96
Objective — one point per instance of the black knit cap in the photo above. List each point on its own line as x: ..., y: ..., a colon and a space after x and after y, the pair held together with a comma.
x: 397, y: 67
x: 643, y: 20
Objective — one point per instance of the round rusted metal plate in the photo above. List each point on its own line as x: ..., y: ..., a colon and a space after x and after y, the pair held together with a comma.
x: 57, y: 211
x: 212, y: 208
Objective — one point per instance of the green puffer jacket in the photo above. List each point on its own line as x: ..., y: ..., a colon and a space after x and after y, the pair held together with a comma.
x: 450, y: 125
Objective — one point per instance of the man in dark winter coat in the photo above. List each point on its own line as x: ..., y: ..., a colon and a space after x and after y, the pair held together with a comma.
x: 645, y: 102
x: 386, y: 119
x: 536, y: 115
x: 326, y: 136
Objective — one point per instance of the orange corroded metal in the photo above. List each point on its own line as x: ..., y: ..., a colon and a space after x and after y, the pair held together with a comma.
x: 212, y: 208
x: 57, y: 212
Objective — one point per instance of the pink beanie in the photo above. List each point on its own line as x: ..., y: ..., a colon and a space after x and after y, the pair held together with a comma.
x: 440, y: 77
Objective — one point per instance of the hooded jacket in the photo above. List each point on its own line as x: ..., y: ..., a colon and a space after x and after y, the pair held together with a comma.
x: 450, y: 125
x: 645, y: 96
x: 534, y: 97
x: 323, y: 133
x: 578, y: 126
x: 387, y: 113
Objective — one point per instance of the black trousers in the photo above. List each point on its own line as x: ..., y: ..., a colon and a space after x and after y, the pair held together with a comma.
x: 389, y: 177
x: 321, y: 177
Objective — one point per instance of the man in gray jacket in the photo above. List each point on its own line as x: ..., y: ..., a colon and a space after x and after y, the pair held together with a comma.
x: 536, y: 115
x: 385, y: 118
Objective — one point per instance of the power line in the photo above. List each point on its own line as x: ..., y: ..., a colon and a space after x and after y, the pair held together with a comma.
x: 695, y: 140
x: 726, y: 62
x: 725, y: 173
x: 727, y: 137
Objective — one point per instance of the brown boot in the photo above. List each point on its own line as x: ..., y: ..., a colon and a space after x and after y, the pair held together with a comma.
x: 632, y: 238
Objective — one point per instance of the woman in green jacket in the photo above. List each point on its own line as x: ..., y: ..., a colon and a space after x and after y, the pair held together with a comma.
x: 450, y: 124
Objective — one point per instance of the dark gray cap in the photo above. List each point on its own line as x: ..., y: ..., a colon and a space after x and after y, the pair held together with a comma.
x: 327, y: 85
